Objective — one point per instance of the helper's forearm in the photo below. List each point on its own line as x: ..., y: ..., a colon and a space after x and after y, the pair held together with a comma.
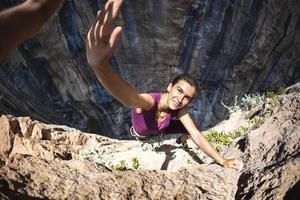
x: 205, y: 146
x: 20, y: 22
x: 117, y: 86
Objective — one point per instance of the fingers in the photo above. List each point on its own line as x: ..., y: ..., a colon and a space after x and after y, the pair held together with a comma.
x: 98, y: 13
x: 105, y: 30
x: 233, y: 163
x: 90, y: 37
x: 97, y: 30
x: 236, y: 164
x: 101, y: 39
x: 115, y: 9
x: 239, y: 165
x: 102, y: 28
x: 112, y: 9
x: 115, y: 37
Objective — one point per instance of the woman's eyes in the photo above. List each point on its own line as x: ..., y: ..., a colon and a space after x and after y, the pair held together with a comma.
x: 187, y: 98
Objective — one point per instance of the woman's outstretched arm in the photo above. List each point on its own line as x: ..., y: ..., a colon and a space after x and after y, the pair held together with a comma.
x: 203, y: 144
x: 20, y: 22
x: 101, y: 43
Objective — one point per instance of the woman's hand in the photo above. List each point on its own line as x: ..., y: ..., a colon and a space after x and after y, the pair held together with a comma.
x: 102, y: 39
x: 233, y: 163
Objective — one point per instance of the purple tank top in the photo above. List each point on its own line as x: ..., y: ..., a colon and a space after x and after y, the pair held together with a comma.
x: 144, y: 123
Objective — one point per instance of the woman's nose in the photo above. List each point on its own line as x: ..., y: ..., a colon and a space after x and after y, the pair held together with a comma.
x: 180, y: 98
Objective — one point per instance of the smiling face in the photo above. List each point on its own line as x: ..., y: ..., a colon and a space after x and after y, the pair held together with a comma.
x: 180, y: 94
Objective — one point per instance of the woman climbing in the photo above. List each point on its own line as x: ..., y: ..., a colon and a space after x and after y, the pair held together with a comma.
x: 151, y: 113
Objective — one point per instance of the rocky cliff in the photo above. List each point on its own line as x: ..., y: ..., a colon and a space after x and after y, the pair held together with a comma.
x: 40, y: 161
x: 231, y: 46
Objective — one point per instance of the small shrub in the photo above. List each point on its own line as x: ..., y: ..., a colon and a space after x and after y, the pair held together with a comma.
x: 239, y: 132
x: 93, y: 155
x: 247, y: 102
x: 220, y: 139
x: 135, y: 163
x: 281, y: 91
x: 273, y: 101
x: 234, y: 108
x: 256, y: 121
x: 120, y: 166
x: 244, y: 130
x: 271, y: 95
x: 218, y: 147
x: 251, y: 100
x: 214, y: 136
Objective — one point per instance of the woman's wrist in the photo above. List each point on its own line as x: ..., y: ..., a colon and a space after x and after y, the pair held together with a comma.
x: 100, y: 67
x: 221, y: 161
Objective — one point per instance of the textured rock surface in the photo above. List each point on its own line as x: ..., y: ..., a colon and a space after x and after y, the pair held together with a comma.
x: 46, y: 161
x: 232, y: 48
x: 273, y: 153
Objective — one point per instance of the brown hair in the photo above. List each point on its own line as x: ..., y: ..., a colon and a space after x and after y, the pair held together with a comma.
x: 186, y: 77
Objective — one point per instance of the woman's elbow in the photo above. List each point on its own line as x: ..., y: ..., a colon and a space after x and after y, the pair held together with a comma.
x: 127, y: 103
x: 131, y: 103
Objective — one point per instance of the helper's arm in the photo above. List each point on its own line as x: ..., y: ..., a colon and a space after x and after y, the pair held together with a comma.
x: 101, y: 43
x: 202, y: 143
x: 20, y: 22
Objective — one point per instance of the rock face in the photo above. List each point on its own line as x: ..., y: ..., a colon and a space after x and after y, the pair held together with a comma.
x: 40, y: 161
x: 232, y: 48
x: 45, y: 161
x: 273, y: 153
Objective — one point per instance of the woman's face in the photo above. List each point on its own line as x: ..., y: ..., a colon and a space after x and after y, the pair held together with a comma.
x: 180, y: 94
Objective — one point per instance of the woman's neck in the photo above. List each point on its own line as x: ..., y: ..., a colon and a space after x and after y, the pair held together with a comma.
x: 163, y: 103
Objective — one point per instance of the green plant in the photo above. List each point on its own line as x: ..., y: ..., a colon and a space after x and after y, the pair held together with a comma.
x: 271, y: 94
x: 281, y: 90
x: 234, y: 108
x: 273, y: 101
x: 92, y: 155
x: 135, y: 163
x: 247, y: 102
x: 220, y: 139
x: 214, y: 136
x: 256, y: 121
x: 251, y: 100
x: 120, y: 166
x: 239, y: 132
x: 244, y: 130
x: 218, y: 147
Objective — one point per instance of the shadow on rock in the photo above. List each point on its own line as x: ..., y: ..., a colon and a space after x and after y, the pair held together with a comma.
x: 170, y: 154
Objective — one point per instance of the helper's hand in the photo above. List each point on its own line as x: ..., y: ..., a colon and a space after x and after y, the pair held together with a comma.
x: 102, y: 39
x: 233, y: 163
